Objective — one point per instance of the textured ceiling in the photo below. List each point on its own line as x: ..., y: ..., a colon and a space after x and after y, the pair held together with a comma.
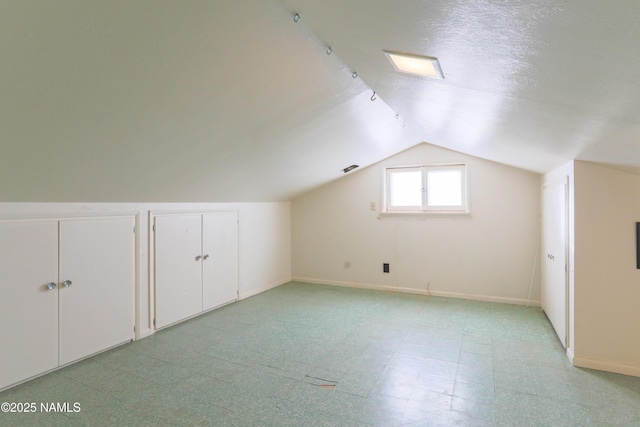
x: 233, y: 101
x: 528, y: 83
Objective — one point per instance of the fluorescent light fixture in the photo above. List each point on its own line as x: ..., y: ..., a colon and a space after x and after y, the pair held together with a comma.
x: 415, y: 64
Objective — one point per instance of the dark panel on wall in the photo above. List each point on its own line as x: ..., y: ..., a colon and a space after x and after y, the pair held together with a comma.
x: 638, y: 245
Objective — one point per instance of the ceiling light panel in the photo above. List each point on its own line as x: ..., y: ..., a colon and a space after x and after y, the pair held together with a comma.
x: 418, y: 65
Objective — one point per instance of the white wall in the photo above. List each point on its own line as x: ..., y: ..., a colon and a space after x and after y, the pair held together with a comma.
x: 265, y: 247
x: 607, y: 283
x: 488, y: 255
x: 264, y: 234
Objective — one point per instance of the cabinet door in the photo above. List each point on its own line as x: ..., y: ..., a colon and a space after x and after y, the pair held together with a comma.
x: 178, y: 268
x: 28, y: 309
x: 220, y: 265
x: 97, y: 258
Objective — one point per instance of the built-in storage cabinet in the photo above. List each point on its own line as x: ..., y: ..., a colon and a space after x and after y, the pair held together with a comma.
x: 178, y: 267
x: 196, y: 264
x: 97, y: 309
x: 28, y: 299
x: 66, y: 291
x: 220, y: 259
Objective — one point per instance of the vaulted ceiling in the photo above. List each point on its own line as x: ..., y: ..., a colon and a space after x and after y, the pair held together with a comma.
x: 232, y: 100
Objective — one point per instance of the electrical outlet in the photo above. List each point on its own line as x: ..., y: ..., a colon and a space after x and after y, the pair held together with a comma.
x: 385, y: 267
x: 372, y: 206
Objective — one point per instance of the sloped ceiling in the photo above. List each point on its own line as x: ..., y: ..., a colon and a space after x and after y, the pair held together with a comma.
x: 234, y: 101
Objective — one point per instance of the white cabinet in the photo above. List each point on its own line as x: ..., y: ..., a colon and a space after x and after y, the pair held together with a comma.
x: 196, y: 264
x: 220, y: 259
x: 66, y: 291
x: 28, y: 310
x: 97, y: 310
x: 178, y: 267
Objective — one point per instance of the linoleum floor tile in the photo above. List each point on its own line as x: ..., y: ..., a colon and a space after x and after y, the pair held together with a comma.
x: 316, y: 355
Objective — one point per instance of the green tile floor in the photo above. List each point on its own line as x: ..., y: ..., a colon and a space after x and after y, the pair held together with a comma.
x: 312, y: 355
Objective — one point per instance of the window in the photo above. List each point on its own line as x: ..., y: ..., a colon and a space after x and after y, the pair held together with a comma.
x: 438, y: 188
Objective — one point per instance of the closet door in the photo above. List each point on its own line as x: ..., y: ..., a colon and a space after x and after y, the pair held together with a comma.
x: 97, y: 285
x: 555, y: 277
x: 28, y: 299
x: 178, y: 268
x: 220, y: 259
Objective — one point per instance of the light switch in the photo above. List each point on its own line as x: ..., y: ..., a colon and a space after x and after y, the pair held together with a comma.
x: 372, y: 206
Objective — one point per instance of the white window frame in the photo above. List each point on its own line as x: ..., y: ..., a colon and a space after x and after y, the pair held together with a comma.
x: 425, y: 209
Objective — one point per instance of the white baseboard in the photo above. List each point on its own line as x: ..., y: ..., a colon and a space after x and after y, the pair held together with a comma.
x: 570, y: 355
x: 432, y: 292
x: 271, y: 285
x: 600, y: 365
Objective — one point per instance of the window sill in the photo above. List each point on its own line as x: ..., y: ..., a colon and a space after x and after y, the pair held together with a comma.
x: 423, y: 215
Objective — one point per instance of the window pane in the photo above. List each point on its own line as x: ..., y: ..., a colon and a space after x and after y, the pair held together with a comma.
x: 444, y: 187
x: 405, y: 188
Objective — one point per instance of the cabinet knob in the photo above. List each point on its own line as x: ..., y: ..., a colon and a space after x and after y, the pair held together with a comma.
x: 198, y: 258
x: 67, y: 283
x: 206, y: 257
x: 51, y: 286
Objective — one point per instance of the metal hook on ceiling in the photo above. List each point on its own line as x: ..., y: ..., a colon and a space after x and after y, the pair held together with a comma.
x: 373, y: 97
